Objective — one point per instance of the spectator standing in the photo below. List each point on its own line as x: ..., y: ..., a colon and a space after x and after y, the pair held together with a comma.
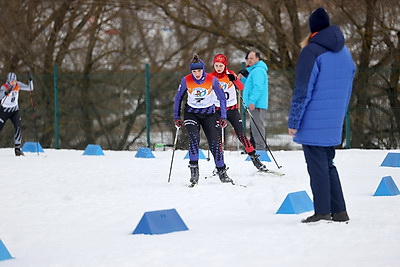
x: 323, y: 85
x: 255, y: 96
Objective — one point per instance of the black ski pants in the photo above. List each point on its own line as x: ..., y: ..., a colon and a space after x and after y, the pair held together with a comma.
x: 16, y: 121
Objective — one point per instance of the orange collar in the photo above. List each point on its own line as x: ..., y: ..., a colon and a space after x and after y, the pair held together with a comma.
x: 312, y: 35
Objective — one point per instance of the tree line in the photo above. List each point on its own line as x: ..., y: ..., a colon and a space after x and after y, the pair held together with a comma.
x: 101, y: 48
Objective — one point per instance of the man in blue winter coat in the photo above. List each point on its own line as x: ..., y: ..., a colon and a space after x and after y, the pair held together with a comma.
x: 323, y: 85
x: 255, y: 96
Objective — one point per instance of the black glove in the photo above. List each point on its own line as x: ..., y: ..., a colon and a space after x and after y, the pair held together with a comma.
x: 8, y: 91
x: 222, y: 123
x: 178, y: 123
x: 245, y: 73
x: 231, y: 77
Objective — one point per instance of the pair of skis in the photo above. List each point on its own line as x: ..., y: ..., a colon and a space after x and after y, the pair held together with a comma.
x: 277, y: 173
x: 191, y: 185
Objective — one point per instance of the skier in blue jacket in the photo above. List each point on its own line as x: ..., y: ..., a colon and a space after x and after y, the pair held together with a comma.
x: 199, y: 112
x: 323, y: 85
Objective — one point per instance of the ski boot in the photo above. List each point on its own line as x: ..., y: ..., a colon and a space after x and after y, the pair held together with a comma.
x: 194, y: 174
x: 18, y: 151
x: 256, y: 162
x: 221, y: 171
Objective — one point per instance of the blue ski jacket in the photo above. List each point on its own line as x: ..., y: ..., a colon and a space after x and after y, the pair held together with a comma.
x: 256, y: 86
x: 323, y: 85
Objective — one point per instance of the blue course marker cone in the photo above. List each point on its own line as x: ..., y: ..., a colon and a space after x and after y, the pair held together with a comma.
x: 93, y: 150
x: 263, y: 156
x: 201, y: 155
x: 32, y: 147
x: 296, y: 203
x: 4, y: 254
x: 160, y: 222
x: 144, y: 152
x: 387, y: 187
x: 391, y: 160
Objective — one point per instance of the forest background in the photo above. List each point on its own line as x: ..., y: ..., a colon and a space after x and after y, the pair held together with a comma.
x: 100, y: 50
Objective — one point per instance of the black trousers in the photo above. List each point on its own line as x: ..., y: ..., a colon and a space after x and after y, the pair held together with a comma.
x: 208, y: 122
x: 233, y: 116
x: 16, y: 121
x: 324, y: 179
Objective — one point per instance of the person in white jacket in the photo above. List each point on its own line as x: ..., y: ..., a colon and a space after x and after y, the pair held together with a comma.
x: 9, y: 93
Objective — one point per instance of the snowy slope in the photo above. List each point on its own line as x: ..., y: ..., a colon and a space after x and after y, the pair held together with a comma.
x: 65, y: 209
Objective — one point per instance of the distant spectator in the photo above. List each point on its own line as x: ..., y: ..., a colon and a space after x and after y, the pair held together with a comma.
x: 255, y: 96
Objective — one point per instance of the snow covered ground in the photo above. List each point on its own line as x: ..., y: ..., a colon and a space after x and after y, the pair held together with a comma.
x: 65, y: 209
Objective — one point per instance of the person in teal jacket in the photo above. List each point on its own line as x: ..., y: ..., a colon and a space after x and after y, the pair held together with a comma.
x: 255, y: 97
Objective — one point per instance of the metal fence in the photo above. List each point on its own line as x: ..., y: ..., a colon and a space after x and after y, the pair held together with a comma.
x: 109, y: 109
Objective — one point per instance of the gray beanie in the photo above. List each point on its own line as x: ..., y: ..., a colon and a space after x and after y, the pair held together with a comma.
x: 11, y: 76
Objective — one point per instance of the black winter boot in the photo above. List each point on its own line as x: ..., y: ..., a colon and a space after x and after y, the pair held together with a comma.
x: 194, y: 173
x: 340, y: 216
x: 223, y: 176
x: 256, y: 161
x: 18, y: 151
x: 317, y: 217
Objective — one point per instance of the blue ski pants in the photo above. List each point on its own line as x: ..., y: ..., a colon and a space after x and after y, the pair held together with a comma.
x: 324, y: 179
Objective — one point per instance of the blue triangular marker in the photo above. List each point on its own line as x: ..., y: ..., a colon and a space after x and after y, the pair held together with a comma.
x: 93, y: 150
x: 296, y: 203
x: 391, y: 160
x: 263, y: 156
x: 4, y: 254
x: 201, y: 155
x: 160, y: 222
x: 32, y: 147
x: 387, y: 187
x: 144, y: 152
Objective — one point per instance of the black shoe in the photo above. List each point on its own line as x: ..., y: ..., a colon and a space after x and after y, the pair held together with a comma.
x: 317, y: 217
x: 221, y: 171
x: 194, y: 173
x: 18, y: 151
x: 256, y: 161
x: 340, y: 216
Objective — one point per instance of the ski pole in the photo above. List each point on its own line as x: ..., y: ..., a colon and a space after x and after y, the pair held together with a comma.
x: 258, y: 129
x: 173, y: 152
x: 223, y: 137
x: 33, y: 111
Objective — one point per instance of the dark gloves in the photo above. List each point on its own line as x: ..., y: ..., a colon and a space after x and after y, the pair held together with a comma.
x: 222, y: 123
x: 231, y: 77
x: 8, y: 91
x: 178, y: 123
x: 245, y: 73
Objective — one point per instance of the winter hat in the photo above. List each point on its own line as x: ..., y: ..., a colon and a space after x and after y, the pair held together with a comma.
x: 319, y: 20
x: 11, y: 76
x: 197, y: 64
x: 222, y: 59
